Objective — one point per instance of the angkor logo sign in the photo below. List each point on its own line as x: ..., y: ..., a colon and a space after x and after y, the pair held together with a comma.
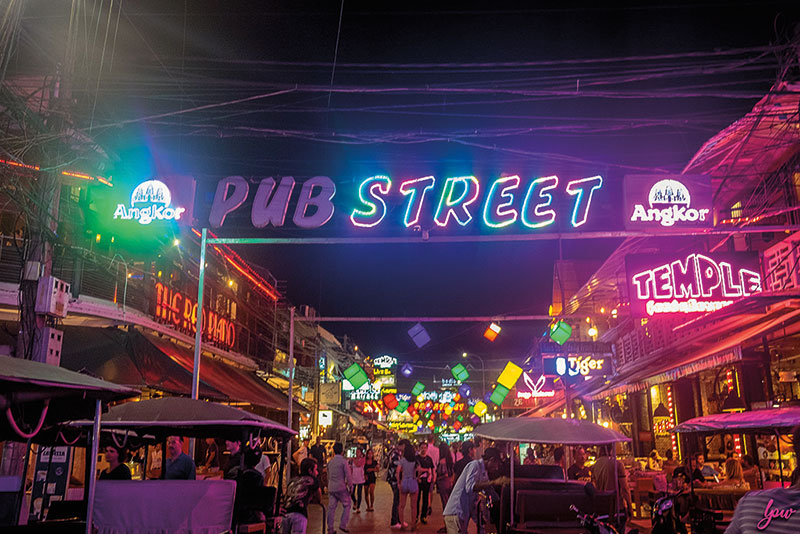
x: 669, y: 202
x: 150, y: 201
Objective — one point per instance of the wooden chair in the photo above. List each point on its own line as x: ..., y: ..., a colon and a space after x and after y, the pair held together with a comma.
x: 641, y: 497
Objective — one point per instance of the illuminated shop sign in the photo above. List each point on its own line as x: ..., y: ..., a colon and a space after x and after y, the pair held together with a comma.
x: 367, y: 392
x: 576, y: 365
x: 694, y: 283
x: 180, y: 311
x: 534, y: 388
x: 384, y: 362
x: 654, y: 202
x: 574, y: 347
x: 153, y: 201
x: 403, y: 426
x: 529, y: 203
x: 450, y: 383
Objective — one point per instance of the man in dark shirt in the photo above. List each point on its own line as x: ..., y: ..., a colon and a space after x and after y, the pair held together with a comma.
x: 391, y: 478
x: 468, y: 452
x: 690, y: 466
x: 318, y: 453
x: 179, y: 465
x: 299, y: 492
x: 578, y: 470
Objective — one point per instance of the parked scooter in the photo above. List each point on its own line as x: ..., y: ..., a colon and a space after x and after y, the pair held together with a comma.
x: 597, y: 524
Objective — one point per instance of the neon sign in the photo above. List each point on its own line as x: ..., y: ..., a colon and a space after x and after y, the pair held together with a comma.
x: 384, y: 362
x: 456, y: 201
x: 576, y: 365
x: 150, y: 201
x: 698, y: 283
x: 173, y: 307
x: 535, y: 389
x: 671, y: 201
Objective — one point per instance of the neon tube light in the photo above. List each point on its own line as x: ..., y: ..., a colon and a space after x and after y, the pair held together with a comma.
x: 368, y: 194
x: 549, y: 216
x: 411, y: 188
x: 577, y: 187
x: 450, y: 205
x: 501, y: 215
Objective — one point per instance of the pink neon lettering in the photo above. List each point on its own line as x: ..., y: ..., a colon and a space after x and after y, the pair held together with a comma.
x: 775, y: 513
x: 642, y: 283
x: 751, y: 282
x: 662, y: 286
x: 709, y: 274
x: 729, y: 288
x: 684, y: 278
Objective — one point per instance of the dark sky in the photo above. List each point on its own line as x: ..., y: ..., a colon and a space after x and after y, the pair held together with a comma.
x: 556, y: 88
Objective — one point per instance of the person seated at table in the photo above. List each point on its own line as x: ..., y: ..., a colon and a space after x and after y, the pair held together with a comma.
x: 116, y: 470
x: 734, y: 476
x: 707, y: 469
x: 246, y: 508
x: 669, y: 464
x: 180, y: 465
x: 560, y: 458
x: 578, y: 470
x: 689, y: 472
x: 654, y: 461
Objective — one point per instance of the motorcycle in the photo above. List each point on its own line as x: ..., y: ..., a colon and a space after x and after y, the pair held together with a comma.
x: 597, y: 524
x: 667, y: 514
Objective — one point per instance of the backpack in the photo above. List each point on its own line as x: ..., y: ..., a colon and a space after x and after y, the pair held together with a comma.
x: 297, y: 492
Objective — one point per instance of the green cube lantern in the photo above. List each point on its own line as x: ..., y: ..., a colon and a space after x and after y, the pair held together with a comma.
x: 499, y: 394
x: 418, y: 388
x: 356, y: 376
x: 402, y: 406
x: 460, y: 372
x: 560, y: 332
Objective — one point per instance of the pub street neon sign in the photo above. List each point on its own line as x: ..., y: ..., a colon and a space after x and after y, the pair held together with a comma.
x: 698, y: 283
x: 506, y: 201
x: 150, y: 201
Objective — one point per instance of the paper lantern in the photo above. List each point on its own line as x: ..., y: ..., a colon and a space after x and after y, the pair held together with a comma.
x: 406, y: 370
x: 475, y: 419
x: 402, y: 406
x: 499, y: 394
x: 510, y: 375
x: 560, y: 332
x: 418, y: 388
x: 492, y: 331
x: 480, y: 408
x: 390, y: 401
x: 356, y: 376
x: 460, y: 372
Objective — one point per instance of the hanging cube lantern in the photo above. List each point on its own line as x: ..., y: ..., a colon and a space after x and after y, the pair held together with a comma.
x: 499, y: 394
x: 390, y: 401
x: 406, y: 370
x: 356, y: 376
x: 475, y: 419
x: 480, y: 408
x: 560, y: 332
x: 487, y: 398
x: 492, y: 331
x: 402, y: 406
x: 464, y: 391
x: 418, y: 388
x: 419, y: 335
x: 460, y: 372
x: 456, y: 425
x: 508, y: 378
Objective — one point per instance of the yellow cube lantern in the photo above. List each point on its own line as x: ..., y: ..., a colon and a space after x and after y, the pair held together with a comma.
x: 508, y: 378
x: 480, y: 408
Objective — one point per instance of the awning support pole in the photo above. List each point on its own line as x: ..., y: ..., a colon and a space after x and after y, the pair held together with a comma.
x: 513, y: 461
x: 290, y: 393
x: 198, y: 335
x: 90, y: 482
x: 780, y: 459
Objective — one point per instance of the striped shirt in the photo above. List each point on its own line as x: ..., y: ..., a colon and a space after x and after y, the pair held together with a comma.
x: 773, y: 511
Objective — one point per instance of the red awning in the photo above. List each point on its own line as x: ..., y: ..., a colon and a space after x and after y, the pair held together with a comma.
x: 236, y: 384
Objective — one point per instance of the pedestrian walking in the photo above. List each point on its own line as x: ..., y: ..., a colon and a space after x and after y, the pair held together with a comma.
x: 426, y: 478
x: 392, y: 463
x: 462, y: 499
x: 409, y: 487
x: 468, y: 454
x: 370, y: 473
x: 444, y: 476
x: 339, y: 484
x: 359, y: 479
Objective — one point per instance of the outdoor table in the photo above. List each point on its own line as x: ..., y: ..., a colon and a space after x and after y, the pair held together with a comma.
x: 721, y: 498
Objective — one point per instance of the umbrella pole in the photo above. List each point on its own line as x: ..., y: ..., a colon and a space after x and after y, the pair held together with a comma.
x: 780, y: 460
x: 513, y: 461
x: 90, y: 483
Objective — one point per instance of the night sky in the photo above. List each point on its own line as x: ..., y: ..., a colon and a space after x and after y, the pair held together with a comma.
x: 553, y: 89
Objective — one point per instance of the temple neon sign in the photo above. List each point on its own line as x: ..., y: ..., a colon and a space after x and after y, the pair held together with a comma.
x: 698, y: 283
x: 443, y: 203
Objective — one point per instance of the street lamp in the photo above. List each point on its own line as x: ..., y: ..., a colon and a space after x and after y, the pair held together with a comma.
x: 483, y: 371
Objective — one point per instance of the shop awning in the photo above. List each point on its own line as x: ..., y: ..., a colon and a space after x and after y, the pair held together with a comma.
x: 236, y: 384
x: 767, y: 421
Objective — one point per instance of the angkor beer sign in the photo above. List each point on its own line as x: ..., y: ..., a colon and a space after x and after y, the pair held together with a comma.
x: 690, y: 283
x: 664, y: 202
x: 168, y: 198
x: 531, y: 202
x: 180, y: 311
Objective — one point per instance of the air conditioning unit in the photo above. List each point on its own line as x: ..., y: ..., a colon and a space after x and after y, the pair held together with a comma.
x: 47, y: 347
x: 52, y: 297
x: 308, y: 312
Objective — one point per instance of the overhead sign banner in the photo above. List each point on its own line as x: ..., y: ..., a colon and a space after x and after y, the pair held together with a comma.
x: 660, y: 284
x: 575, y: 365
x: 663, y: 202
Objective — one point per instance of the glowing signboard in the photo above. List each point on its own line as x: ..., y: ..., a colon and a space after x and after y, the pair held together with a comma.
x: 384, y: 362
x: 150, y: 201
x: 325, y: 417
x: 367, y: 392
x: 576, y: 365
x: 667, y: 201
x: 175, y: 308
x: 450, y: 202
x: 534, y: 389
x: 692, y: 283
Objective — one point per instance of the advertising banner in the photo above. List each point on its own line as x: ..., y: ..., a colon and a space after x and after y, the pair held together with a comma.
x: 688, y: 283
x: 664, y: 202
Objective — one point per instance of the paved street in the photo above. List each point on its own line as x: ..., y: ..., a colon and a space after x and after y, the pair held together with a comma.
x: 377, y: 521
